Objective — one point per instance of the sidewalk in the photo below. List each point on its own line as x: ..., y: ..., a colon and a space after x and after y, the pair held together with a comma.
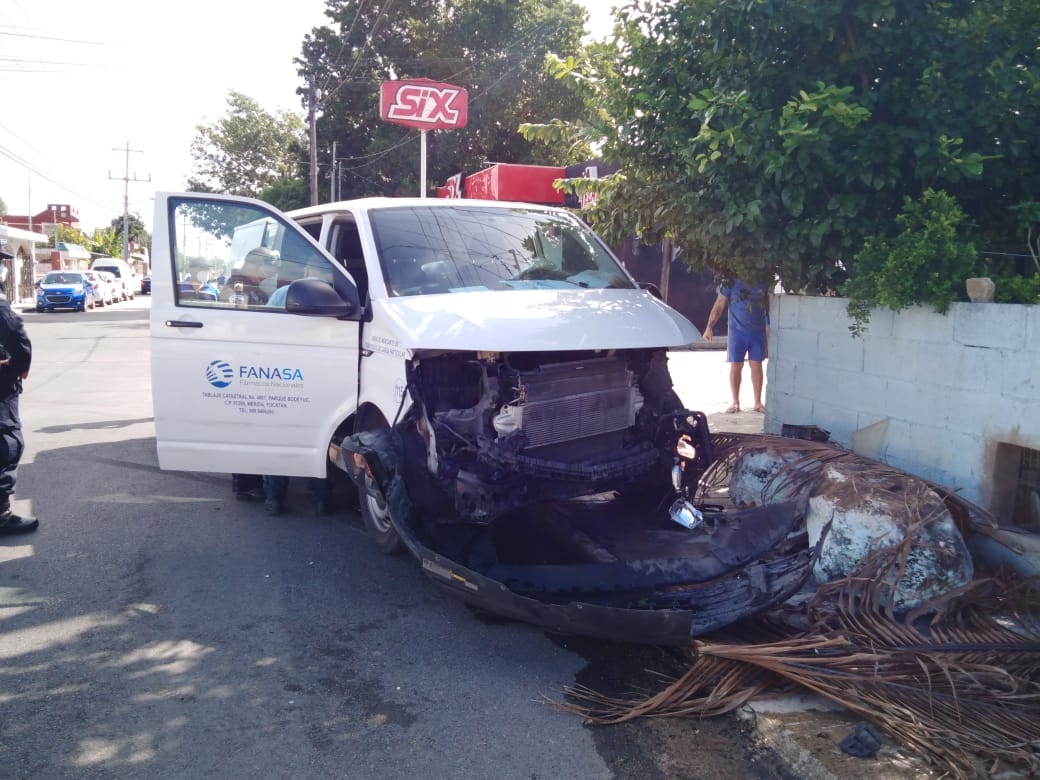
x: 701, y: 378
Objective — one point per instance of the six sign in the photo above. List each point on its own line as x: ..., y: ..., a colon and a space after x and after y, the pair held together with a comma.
x: 424, y: 104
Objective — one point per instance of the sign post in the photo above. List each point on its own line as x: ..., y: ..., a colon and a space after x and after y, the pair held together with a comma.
x: 422, y: 163
x: 425, y: 105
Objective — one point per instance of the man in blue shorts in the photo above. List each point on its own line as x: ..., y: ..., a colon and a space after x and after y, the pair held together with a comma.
x: 748, y: 326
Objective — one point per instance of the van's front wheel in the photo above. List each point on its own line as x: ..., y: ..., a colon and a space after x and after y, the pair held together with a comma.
x: 378, y: 525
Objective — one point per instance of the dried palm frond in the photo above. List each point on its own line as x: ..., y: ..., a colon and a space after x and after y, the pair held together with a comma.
x: 957, y: 679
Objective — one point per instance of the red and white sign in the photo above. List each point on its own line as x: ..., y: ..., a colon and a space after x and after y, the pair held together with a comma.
x: 592, y: 172
x: 453, y: 186
x: 424, y: 104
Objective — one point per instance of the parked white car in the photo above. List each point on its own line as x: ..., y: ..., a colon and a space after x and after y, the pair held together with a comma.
x: 104, y: 289
x: 114, y: 285
x: 124, y: 274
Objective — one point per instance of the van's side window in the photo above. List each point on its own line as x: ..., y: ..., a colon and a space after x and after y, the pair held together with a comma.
x: 230, y: 256
x: 346, y: 247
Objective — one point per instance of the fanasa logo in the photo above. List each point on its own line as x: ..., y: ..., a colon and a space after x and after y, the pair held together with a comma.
x: 265, y: 372
x: 219, y: 373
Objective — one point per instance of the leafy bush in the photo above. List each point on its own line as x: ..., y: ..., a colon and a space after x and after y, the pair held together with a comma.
x: 926, y: 262
x: 1014, y: 288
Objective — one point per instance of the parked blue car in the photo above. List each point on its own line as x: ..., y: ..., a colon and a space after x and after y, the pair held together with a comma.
x: 65, y: 290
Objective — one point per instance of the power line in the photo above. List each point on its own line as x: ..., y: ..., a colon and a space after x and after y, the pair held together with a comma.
x: 48, y: 38
x: 18, y: 160
x: 63, y: 66
x: 12, y: 133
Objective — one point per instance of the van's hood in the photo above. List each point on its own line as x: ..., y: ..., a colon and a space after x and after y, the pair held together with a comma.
x: 534, y: 320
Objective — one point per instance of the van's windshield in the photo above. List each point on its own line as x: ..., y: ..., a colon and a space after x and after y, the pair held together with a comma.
x: 426, y: 250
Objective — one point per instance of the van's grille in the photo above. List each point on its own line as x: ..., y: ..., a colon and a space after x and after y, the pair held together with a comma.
x: 569, y: 401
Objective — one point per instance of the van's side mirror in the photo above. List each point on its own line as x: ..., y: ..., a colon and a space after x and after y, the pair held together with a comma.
x: 317, y: 298
x: 653, y: 289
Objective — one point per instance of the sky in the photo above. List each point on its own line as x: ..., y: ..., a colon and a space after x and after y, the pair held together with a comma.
x: 95, y: 94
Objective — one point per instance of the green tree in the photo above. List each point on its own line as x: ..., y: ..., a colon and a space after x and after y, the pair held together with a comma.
x: 774, y: 138
x: 250, y: 152
x: 136, y: 232
x: 3, y: 207
x: 109, y: 240
x: 495, y: 49
x: 926, y: 261
x: 106, y: 241
x: 66, y: 234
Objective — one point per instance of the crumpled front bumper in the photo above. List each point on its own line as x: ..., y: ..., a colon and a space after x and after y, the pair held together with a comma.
x: 748, y: 568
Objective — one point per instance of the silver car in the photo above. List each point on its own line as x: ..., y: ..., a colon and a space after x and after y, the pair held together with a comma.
x: 104, y: 289
x: 115, y: 288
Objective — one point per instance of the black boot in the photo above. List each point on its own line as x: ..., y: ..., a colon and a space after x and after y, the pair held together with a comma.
x: 10, y: 523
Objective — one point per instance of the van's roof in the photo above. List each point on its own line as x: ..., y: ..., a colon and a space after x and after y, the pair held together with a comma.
x: 111, y: 261
x: 377, y: 202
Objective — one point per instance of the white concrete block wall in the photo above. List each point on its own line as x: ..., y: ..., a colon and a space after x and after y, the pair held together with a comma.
x: 952, y: 387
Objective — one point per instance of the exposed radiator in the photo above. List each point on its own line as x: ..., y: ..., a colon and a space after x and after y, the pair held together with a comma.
x: 567, y: 401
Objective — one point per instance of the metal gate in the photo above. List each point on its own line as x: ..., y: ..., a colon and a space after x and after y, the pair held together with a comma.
x: 26, y: 291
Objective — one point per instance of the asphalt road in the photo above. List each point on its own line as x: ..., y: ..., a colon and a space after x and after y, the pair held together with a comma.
x: 156, y: 627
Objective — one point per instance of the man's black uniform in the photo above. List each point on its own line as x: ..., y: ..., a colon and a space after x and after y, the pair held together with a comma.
x: 15, y: 357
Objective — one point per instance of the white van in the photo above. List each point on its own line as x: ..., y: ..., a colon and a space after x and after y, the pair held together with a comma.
x: 125, y: 275
x: 489, y: 376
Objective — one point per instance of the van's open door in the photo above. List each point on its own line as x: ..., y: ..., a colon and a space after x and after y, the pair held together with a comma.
x: 240, y: 382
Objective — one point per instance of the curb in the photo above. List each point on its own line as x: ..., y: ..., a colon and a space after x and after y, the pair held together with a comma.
x: 803, y: 733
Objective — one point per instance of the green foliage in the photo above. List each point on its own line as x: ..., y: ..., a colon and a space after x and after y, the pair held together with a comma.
x: 1028, y: 214
x: 3, y: 208
x: 583, y: 75
x: 135, y: 231
x: 776, y: 138
x: 1014, y: 288
x: 926, y: 262
x: 287, y: 194
x: 66, y: 234
x: 495, y: 49
x: 106, y: 241
x: 248, y: 151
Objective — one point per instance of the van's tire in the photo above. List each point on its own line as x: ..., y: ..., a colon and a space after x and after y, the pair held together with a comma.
x: 378, y: 526
x: 374, y: 510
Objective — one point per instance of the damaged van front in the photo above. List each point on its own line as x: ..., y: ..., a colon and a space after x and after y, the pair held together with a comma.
x: 493, y: 381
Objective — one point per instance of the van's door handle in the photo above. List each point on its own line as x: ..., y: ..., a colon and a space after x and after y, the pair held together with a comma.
x: 182, y: 324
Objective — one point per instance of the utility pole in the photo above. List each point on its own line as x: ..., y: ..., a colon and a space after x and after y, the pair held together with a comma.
x: 126, y: 197
x: 666, y: 267
x: 332, y: 185
x: 312, y: 122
